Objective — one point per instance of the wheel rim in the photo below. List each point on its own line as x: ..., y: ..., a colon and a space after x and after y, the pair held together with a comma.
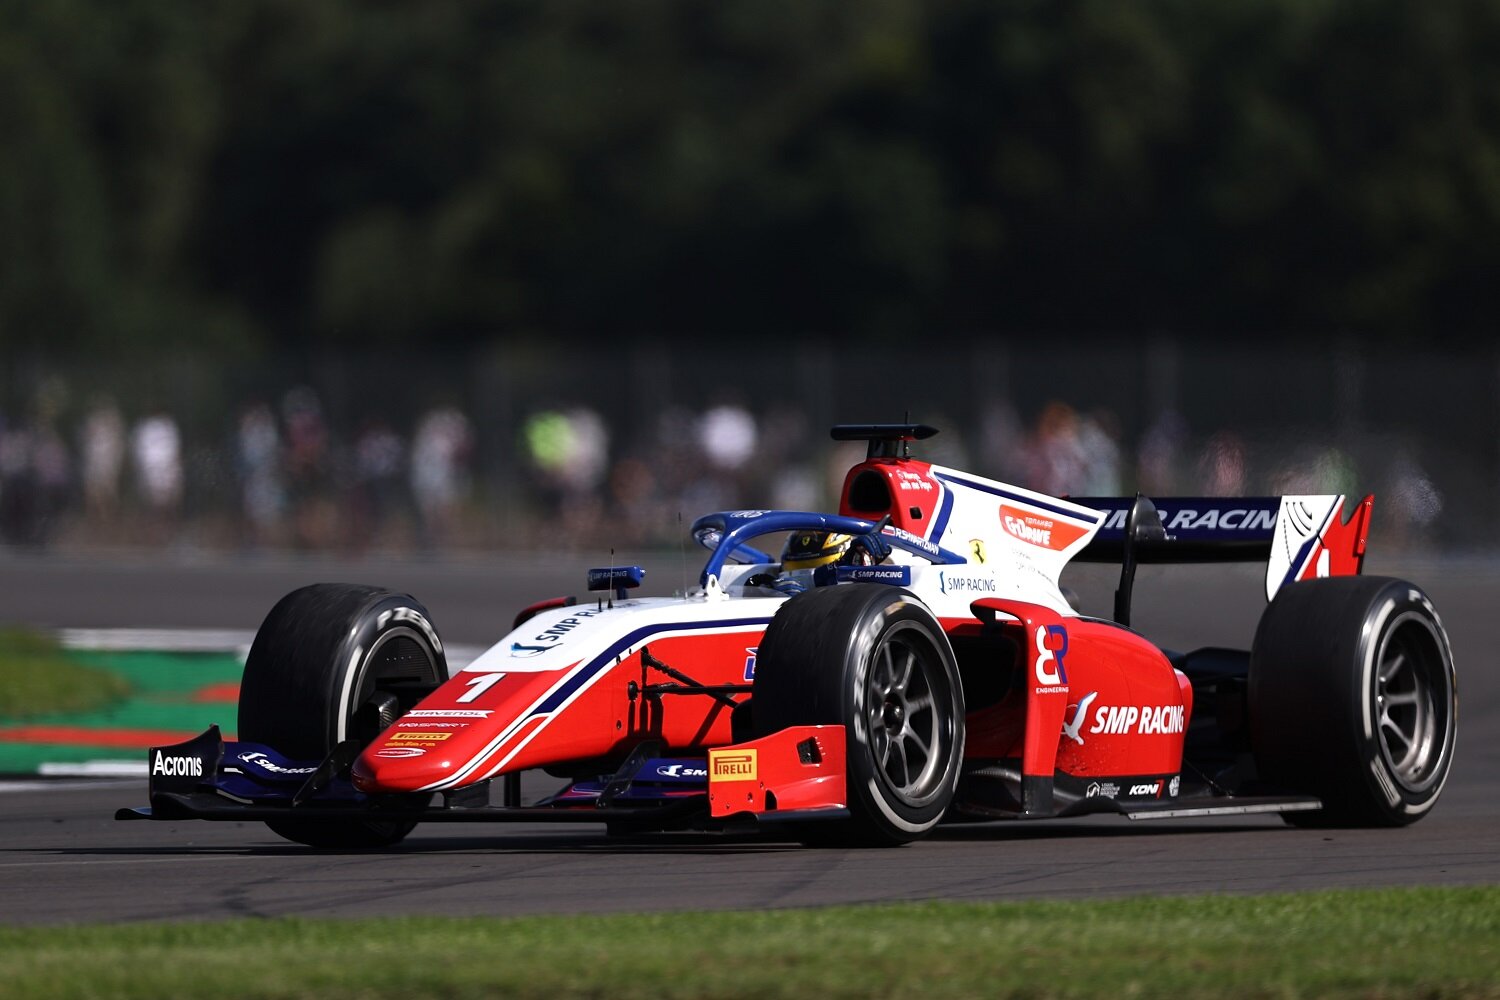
x: 1413, y: 699
x: 907, y: 704
x: 400, y: 655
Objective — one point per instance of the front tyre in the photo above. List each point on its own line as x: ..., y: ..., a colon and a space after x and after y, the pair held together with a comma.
x: 334, y: 662
x: 1353, y: 699
x: 874, y: 660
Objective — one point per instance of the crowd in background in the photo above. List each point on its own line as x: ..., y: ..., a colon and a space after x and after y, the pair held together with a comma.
x: 282, y: 475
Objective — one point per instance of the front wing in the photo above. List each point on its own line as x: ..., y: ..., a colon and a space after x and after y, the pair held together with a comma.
x: 795, y: 775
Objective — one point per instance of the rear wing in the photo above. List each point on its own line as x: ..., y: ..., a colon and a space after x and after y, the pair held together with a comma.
x: 1298, y: 537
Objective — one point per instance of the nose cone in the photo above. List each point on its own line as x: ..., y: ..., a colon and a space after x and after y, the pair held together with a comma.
x: 387, y: 766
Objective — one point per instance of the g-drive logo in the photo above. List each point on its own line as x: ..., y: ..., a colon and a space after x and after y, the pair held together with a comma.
x: 1037, y: 529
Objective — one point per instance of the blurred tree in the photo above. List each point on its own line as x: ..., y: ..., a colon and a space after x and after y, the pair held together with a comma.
x: 231, y: 177
x: 109, y: 113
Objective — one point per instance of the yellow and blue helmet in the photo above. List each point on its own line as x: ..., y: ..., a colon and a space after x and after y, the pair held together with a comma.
x: 811, y: 549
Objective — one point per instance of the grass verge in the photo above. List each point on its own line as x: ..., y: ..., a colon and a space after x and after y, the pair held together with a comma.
x: 1429, y: 943
x: 37, y: 678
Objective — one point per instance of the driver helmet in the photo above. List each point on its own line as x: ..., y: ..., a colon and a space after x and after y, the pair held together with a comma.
x: 811, y: 549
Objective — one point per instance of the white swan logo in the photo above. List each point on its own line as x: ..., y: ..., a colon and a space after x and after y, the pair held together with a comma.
x: 1081, y: 712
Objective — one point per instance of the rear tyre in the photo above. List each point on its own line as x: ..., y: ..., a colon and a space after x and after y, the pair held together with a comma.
x: 874, y: 660
x: 333, y: 662
x: 1353, y: 699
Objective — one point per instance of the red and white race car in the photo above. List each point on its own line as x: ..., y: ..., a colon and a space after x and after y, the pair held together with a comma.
x: 909, y: 659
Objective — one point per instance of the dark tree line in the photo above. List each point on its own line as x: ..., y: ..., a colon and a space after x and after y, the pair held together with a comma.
x: 241, y: 177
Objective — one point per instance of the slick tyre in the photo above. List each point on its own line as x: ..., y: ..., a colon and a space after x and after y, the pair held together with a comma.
x: 334, y: 662
x: 1353, y: 699
x: 872, y: 659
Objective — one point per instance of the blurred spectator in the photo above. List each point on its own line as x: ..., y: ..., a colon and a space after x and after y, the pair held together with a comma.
x: 637, y: 512
x: 588, y: 459
x: 1099, y: 439
x: 674, y: 457
x: 379, y: 460
x: 723, y: 440
x: 314, y: 515
x: 1055, y: 459
x: 306, y: 435
x: 1414, y: 502
x: 727, y: 436
x: 103, y: 452
x: 570, y: 451
x: 787, y: 478
x: 439, y: 470
x: 304, y: 476
x: 548, y: 440
x: 1001, y: 448
x: 794, y: 486
x: 35, y: 473
x: 18, y: 495
x: 1313, y: 469
x: 156, y: 448
x: 1221, y: 466
x: 258, y: 464
x: 1160, y: 459
x: 53, y: 471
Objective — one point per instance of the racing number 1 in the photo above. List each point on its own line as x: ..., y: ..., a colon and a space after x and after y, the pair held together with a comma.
x: 479, y: 686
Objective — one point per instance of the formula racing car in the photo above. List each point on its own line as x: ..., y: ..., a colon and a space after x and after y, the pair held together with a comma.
x: 907, y: 660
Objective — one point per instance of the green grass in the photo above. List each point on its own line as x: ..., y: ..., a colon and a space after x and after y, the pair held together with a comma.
x: 38, y: 678
x: 1426, y: 943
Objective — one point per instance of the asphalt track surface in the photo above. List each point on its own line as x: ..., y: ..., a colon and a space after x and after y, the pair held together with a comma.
x: 64, y: 859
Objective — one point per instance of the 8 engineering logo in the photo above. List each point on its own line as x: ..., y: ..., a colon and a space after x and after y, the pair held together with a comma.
x: 1051, y: 648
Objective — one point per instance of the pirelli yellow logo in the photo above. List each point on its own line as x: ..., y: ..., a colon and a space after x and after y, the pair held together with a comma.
x: 419, y: 737
x: 732, y: 765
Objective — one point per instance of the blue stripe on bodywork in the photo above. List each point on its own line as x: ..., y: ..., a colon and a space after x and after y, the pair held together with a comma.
x: 582, y: 677
x: 1299, y: 562
x: 945, y: 511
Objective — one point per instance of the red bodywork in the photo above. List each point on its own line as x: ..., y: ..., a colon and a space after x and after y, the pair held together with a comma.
x: 1097, y: 700
x: 798, y: 768
x: 1340, y: 548
x: 1082, y: 698
x: 507, y: 725
x: 1136, y: 708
